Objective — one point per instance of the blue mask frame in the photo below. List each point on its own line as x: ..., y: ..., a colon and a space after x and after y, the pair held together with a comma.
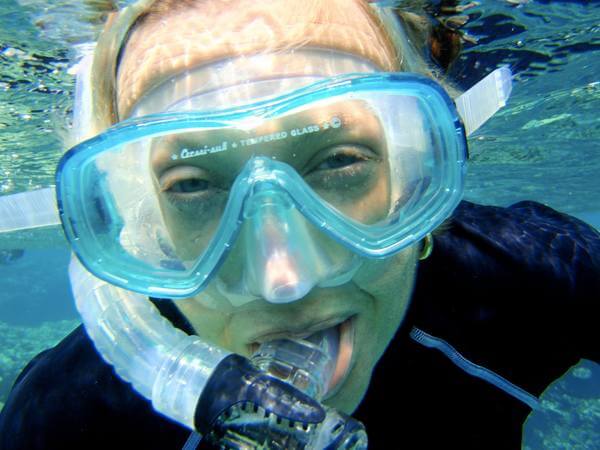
x: 79, y: 195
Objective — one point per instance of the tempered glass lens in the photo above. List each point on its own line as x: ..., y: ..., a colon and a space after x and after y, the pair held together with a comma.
x: 376, y: 158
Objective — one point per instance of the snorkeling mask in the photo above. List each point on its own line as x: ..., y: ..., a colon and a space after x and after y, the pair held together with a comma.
x: 278, y: 193
x: 156, y: 203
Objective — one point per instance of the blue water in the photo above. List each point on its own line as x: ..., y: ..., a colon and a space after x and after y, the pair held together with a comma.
x: 544, y: 146
x: 48, y: 299
x: 593, y: 218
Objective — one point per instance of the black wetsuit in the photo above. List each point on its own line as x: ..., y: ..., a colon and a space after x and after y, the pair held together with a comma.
x: 516, y: 290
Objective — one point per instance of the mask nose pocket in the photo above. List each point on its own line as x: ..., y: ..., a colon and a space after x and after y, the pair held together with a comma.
x: 282, y: 261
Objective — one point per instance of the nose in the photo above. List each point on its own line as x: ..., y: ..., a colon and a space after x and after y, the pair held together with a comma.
x: 283, y: 261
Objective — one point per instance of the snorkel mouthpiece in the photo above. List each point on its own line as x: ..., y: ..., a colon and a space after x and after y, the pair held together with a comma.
x: 307, y: 364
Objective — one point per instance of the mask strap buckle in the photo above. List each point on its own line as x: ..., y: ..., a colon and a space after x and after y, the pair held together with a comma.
x: 27, y: 210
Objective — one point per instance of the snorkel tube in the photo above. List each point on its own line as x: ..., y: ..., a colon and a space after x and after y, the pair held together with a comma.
x: 161, y: 362
x: 186, y: 378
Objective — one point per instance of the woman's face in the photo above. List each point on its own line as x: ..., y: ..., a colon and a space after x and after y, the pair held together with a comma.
x: 344, y: 165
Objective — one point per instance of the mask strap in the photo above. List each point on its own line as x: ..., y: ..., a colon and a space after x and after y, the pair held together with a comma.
x: 38, y: 208
x: 483, y: 100
x: 31, y: 209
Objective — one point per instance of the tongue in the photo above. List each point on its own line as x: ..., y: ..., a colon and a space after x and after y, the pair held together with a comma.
x: 314, y: 364
x: 344, y: 356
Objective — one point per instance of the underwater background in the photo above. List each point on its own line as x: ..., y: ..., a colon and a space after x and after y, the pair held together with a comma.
x: 544, y: 146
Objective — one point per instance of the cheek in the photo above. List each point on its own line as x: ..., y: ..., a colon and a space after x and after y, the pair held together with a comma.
x: 390, y: 282
x: 391, y: 277
x: 190, y: 234
x: 210, y: 324
x: 389, y: 285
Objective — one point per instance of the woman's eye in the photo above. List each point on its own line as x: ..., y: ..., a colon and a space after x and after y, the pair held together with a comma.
x: 339, y: 160
x: 342, y: 158
x: 342, y: 168
x: 188, y: 186
x: 185, y: 180
x: 192, y: 191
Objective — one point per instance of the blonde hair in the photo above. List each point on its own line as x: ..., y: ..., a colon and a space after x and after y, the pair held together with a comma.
x: 407, y: 31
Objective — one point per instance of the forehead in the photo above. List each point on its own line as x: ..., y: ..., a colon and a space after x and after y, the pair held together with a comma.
x: 208, y: 31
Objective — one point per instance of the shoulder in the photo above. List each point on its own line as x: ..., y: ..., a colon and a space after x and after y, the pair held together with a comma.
x: 528, y: 239
x: 526, y: 268
x: 71, y: 397
x: 49, y: 391
x: 525, y: 221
